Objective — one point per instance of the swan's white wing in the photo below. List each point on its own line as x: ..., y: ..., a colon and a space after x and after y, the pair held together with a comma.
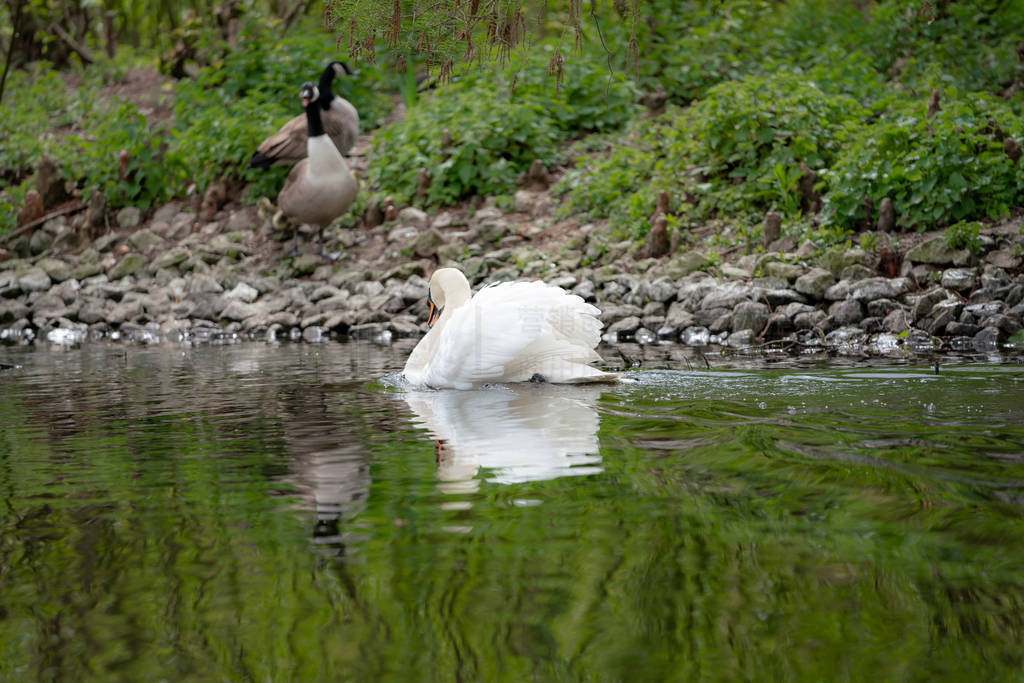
x: 511, y: 331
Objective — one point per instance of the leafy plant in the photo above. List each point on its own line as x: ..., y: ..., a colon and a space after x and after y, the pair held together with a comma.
x: 738, y: 151
x: 473, y: 136
x: 964, y: 235
x: 936, y: 170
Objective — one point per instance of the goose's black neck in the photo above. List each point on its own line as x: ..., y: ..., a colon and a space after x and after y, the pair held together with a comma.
x: 326, y: 93
x: 314, y: 125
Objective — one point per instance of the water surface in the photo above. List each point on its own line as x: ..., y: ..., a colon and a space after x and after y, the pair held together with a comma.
x: 290, y: 512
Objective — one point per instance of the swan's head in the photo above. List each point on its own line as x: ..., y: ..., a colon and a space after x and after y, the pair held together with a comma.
x: 448, y: 287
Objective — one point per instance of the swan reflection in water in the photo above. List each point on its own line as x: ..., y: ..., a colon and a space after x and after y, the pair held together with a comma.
x: 513, y: 433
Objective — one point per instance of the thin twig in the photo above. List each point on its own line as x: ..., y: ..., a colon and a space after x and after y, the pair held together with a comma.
x: 15, y: 27
x: 78, y: 48
x: 72, y: 208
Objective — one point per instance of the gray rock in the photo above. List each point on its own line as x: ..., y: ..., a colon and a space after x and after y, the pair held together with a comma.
x: 586, y: 290
x: 988, y: 338
x: 129, y: 265
x: 1003, y: 258
x: 844, y: 335
x: 169, y: 259
x: 809, y: 319
x: 835, y: 260
x: 706, y: 317
x: 727, y: 296
x: 532, y: 203
x: 794, y: 309
x: 695, y: 336
x: 681, y: 265
x: 242, y: 220
x: 922, y: 273
x: 327, y: 292
x: 786, y: 271
x: 936, y: 252
x: 678, y: 317
x: 814, y: 283
x: 879, y: 288
x: 855, y: 272
x: 426, y: 243
x: 369, y: 288
x: 414, y: 290
x: 305, y: 264
x: 783, y: 297
x: 935, y: 324
x: 741, y: 339
x: 58, y: 270
x: 960, y: 279
x: 779, y: 325
x: 770, y: 283
x: 240, y: 310
x: 144, y: 239
x: 661, y: 290
x: 202, y: 283
x: 34, y: 280
x: 732, y: 272
x: 983, y: 310
x: 847, y: 313
x: 124, y: 311
x: 953, y: 305
x: 896, y: 321
x: 625, y: 327
x: 1003, y: 323
x: 156, y: 304
x: 924, y: 303
x: 838, y: 291
x: 881, y: 307
x: 411, y: 217
x: 749, y: 315
x: 12, y: 309
x: 242, y: 292
x: 721, y: 324
x: 206, y: 305
x: 92, y: 312
x: 958, y: 329
x: 86, y: 270
x: 129, y: 217
x: 611, y: 313
x: 654, y: 309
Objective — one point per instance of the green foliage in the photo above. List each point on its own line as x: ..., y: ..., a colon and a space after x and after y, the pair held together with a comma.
x: 935, y: 170
x: 220, y: 117
x: 473, y: 136
x: 964, y: 235
x: 34, y: 96
x: 738, y: 150
x: 489, y: 144
x: 590, y: 99
x: 114, y: 128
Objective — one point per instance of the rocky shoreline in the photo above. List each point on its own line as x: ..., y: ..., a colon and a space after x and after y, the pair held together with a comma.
x: 182, y: 276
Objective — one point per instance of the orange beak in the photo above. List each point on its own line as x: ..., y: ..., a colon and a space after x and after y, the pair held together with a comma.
x: 433, y: 313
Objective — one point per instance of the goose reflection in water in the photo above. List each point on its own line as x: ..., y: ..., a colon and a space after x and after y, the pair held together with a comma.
x: 514, y: 433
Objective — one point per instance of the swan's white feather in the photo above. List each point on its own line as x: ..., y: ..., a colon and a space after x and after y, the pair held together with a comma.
x: 509, y: 333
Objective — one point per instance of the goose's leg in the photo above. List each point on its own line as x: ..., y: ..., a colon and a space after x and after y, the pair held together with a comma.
x: 320, y: 237
x: 295, y: 241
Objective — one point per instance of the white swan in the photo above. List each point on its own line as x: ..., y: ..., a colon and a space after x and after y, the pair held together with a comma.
x: 510, y: 332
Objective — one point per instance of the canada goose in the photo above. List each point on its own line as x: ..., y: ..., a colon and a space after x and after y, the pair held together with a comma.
x: 340, y: 119
x: 320, y: 187
x: 510, y: 332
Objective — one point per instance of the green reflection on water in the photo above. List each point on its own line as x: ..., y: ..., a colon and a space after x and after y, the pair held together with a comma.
x: 271, y: 513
